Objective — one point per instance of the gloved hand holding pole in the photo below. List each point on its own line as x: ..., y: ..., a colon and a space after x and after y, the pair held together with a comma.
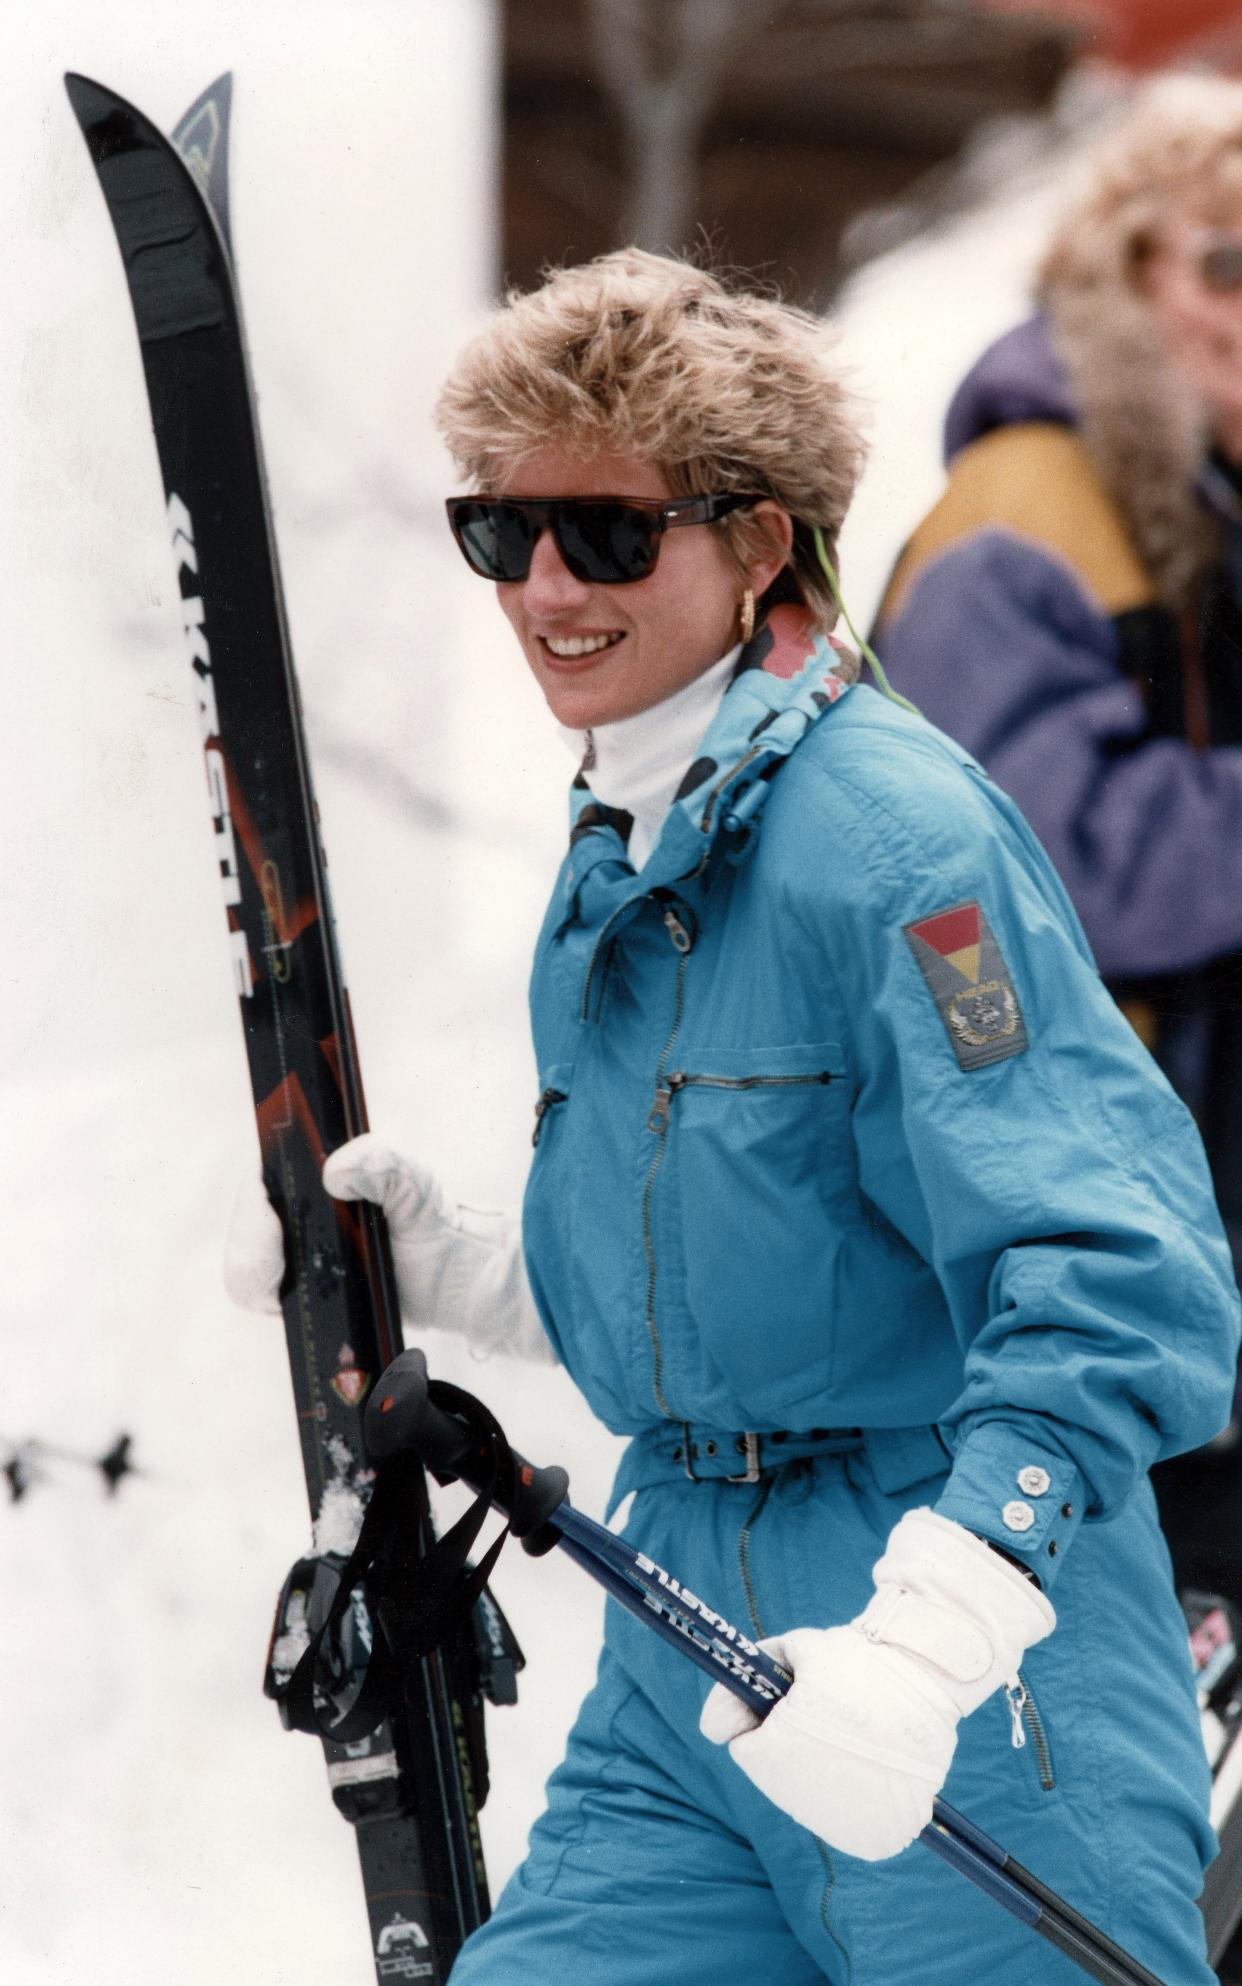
x: 403, y: 1415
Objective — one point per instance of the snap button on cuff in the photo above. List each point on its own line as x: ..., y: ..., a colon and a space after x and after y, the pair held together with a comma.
x: 1034, y: 1481
x: 1017, y: 1516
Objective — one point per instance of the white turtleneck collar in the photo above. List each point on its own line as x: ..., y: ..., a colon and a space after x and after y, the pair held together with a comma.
x: 639, y: 761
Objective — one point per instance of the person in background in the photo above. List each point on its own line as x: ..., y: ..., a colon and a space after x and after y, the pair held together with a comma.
x: 1071, y: 612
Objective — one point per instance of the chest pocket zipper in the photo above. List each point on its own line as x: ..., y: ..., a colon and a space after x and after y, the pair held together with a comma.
x: 666, y: 1089
x: 681, y: 1079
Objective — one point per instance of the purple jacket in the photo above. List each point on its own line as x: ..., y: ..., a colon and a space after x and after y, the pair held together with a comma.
x: 998, y: 642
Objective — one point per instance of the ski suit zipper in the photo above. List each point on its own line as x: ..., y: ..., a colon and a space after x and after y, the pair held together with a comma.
x: 544, y: 1105
x: 584, y: 1012
x: 683, y: 943
x: 719, y: 787
x: 1024, y: 1713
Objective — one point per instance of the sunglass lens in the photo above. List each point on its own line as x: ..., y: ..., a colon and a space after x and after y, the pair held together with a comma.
x: 1221, y: 267
x: 496, y: 538
x: 606, y: 543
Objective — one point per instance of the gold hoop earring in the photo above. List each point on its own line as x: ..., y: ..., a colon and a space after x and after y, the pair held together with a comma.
x: 748, y: 616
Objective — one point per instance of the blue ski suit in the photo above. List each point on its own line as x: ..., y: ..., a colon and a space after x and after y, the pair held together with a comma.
x: 853, y: 1192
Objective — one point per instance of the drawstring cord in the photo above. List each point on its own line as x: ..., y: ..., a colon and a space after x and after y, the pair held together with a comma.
x: 864, y: 646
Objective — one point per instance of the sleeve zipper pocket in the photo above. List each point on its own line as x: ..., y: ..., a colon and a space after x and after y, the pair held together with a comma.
x: 1025, y: 1715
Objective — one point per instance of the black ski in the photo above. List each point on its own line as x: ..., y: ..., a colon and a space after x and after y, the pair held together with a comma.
x: 411, y: 1785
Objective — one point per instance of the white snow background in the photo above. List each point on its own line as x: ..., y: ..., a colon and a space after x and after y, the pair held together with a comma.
x: 156, y: 1824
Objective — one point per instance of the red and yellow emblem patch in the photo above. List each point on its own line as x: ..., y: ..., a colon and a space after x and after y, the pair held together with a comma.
x: 966, y: 974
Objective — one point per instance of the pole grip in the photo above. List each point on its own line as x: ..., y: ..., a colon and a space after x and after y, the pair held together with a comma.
x: 402, y: 1417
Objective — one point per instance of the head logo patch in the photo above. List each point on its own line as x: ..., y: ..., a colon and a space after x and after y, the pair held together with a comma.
x: 968, y: 979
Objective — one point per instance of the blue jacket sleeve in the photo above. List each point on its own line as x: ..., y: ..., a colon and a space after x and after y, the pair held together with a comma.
x: 998, y: 644
x: 1058, y: 1187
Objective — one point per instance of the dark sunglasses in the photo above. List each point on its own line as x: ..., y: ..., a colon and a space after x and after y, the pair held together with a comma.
x: 607, y: 541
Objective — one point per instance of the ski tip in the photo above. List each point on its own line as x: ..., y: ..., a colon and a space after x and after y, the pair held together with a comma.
x: 89, y: 99
x: 101, y: 111
x: 211, y: 108
x: 86, y: 94
x: 201, y: 137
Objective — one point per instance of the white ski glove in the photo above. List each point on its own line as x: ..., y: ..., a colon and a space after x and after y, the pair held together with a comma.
x: 458, y: 1269
x: 861, y: 1745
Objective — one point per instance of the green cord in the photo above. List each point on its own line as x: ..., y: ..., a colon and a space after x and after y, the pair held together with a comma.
x: 876, y: 666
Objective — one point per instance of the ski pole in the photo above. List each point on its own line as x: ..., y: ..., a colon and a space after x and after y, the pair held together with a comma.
x: 22, y: 1468
x: 654, y: 1596
x: 407, y: 1412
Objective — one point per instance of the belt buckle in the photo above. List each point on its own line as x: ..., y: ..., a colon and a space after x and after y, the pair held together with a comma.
x: 688, y: 1452
x: 749, y: 1444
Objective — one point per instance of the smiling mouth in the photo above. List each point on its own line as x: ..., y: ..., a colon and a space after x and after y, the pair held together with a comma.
x: 576, y: 647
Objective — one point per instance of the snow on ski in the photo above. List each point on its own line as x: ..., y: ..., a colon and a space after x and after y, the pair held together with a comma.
x: 411, y: 1785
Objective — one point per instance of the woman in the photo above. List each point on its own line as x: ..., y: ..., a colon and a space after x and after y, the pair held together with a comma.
x: 1071, y: 612
x: 853, y: 1202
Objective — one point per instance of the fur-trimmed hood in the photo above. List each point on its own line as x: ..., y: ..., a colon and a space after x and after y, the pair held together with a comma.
x: 1090, y: 363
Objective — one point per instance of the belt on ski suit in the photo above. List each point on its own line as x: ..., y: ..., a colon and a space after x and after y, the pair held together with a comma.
x: 673, y: 1451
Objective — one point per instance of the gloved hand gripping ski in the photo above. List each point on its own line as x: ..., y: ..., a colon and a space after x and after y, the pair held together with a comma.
x: 864, y: 1740
x: 458, y: 1268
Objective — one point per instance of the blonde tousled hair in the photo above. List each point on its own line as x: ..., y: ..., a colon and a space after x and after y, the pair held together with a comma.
x: 1178, y: 149
x: 1179, y: 146
x: 650, y: 356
